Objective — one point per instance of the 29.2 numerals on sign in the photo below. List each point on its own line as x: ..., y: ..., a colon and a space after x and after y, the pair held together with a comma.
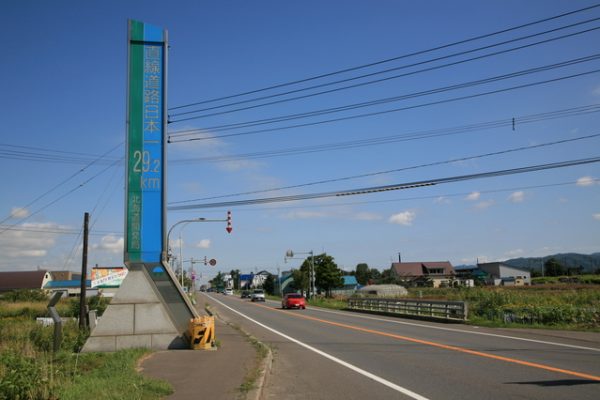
x: 142, y: 162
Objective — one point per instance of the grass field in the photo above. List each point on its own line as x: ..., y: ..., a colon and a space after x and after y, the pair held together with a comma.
x: 559, y: 306
x: 29, y: 370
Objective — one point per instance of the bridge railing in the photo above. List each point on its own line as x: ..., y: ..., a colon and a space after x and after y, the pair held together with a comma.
x: 437, y: 309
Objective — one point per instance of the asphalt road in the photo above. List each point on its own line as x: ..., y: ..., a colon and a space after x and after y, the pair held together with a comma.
x: 326, y: 354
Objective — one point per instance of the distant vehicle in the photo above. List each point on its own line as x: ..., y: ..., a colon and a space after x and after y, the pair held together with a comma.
x: 257, y: 295
x: 228, y: 292
x: 245, y: 294
x: 293, y: 300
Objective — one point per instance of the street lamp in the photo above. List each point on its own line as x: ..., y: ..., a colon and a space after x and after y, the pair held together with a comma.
x: 169, y: 256
x: 187, y: 221
x: 290, y: 255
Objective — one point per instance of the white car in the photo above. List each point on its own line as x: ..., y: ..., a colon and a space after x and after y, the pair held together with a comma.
x: 257, y: 295
x: 228, y: 292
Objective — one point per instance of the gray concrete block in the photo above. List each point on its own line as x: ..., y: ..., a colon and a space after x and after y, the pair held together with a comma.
x: 134, y: 342
x: 100, y: 344
x: 169, y: 341
x: 135, y: 288
x: 153, y: 318
x: 117, y: 320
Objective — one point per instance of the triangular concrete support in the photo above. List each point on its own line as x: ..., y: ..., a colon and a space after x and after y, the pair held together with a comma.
x: 136, y: 317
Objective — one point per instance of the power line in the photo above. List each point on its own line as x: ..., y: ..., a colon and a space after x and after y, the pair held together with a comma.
x: 52, y: 189
x: 480, y: 57
x: 370, y: 174
x: 58, y: 198
x: 438, y: 196
x: 387, y: 188
x: 347, y: 107
x: 57, y: 231
x: 415, y: 135
x: 420, y: 52
x: 356, y: 116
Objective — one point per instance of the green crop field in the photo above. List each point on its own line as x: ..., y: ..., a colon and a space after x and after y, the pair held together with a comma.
x: 551, y: 306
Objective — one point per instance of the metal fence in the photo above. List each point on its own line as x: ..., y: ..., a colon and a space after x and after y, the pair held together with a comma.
x: 446, y: 310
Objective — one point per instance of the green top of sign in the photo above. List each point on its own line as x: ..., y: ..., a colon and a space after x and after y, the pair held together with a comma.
x: 139, y: 31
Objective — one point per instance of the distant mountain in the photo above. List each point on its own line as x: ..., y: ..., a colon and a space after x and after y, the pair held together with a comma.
x: 589, y: 262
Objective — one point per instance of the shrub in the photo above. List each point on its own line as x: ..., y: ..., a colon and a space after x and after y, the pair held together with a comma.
x: 25, y: 295
x: 20, y: 377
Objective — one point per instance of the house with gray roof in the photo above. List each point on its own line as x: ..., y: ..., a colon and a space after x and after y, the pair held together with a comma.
x: 502, y: 274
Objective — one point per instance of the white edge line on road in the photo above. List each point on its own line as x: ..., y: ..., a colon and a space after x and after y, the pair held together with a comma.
x: 330, y: 357
x: 454, y: 330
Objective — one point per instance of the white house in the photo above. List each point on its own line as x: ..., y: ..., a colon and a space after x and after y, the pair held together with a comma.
x: 502, y: 274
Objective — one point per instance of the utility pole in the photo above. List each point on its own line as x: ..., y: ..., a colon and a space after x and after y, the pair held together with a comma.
x: 82, y: 305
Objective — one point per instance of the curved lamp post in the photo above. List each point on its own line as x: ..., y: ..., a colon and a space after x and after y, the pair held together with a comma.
x: 185, y: 221
x: 290, y: 254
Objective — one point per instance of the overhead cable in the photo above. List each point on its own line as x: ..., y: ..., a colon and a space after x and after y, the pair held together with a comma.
x: 371, y: 174
x: 58, y: 198
x: 437, y: 67
x: 365, y: 115
x: 387, y: 188
x: 393, y: 99
x: 402, y: 137
x: 420, y: 52
x: 63, y: 182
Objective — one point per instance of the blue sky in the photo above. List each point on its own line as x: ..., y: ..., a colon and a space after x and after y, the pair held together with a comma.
x: 63, y: 97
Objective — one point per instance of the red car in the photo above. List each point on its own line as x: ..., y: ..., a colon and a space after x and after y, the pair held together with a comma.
x: 293, y: 300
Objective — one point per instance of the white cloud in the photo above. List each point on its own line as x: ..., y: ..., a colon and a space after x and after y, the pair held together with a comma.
x: 596, y: 216
x: 175, y: 243
x: 405, y: 218
x: 29, y: 240
x: 442, y: 200
x: 473, y: 196
x: 596, y: 91
x: 517, y: 197
x: 19, y: 212
x: 482, y: 205
x: 586, y: 181
x: 110, y: 243
x: 514, y: 253
x: 203, y: 244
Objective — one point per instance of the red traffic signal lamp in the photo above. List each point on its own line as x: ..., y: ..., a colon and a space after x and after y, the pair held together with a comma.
x: 229, y: 228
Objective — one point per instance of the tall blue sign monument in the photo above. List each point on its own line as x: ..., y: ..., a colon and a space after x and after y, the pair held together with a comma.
x: 150, y: 309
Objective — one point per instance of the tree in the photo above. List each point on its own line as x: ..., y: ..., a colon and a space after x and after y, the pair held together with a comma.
x: 327, y: 274
x: 375, y: 276
x: 362, y: 273
x: 553, y: 268
x: 218, y: 281
x: 269, y: 284
x: 235, y: 276
x: 300, y: 279
x: 387, y: 276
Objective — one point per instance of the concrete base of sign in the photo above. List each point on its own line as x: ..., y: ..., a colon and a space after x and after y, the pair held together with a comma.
x: 135, y: 318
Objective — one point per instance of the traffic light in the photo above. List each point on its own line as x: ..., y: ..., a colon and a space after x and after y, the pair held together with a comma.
x: 229, y: 227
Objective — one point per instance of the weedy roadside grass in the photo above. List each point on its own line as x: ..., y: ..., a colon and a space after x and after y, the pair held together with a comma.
x: 262, y: 351
x: 254, y: 373
x: 30, y: 370
x: 570, y: 307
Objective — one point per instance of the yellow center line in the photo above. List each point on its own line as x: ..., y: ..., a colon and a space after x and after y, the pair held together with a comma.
x: 442, y: 346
